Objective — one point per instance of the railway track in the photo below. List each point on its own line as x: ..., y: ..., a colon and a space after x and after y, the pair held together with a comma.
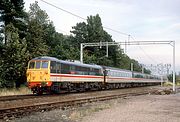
x: 27, y: 96
x: 24, y: 110
x: 23, y: 97
x: 47, y: 103
x: 32, y: 96
x: 16, y: 97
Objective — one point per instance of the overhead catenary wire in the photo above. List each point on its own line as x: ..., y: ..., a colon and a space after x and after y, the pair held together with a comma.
x: 78, y: 16
x: 145, y: 52
x: 59, y: 8
x: 63, y: 10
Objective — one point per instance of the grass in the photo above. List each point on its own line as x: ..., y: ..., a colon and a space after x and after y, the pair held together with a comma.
x: 87, y: 110
x: 167, y: 84
x: 14, y: 91
x: 171, y: 84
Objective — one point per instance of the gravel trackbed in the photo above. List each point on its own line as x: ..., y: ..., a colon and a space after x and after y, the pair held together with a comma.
x: 144, y: 108
x: 148, y: 108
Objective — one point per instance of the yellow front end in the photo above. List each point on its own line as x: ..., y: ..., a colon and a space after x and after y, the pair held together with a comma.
x: 38, y: 74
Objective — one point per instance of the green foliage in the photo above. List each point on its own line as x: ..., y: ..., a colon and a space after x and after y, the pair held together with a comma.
x: 88, y: 33
x: 24, y: 36
x: 35, y: 35
x: 80, y: 34
x: 12, y: 42
x: 95, y: 29
x: 93, y: 32
x: 14, y: 57
x: 11, y: 11
x: 170, y: 77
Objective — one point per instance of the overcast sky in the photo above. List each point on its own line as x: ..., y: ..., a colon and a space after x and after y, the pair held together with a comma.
x: 156, y: 20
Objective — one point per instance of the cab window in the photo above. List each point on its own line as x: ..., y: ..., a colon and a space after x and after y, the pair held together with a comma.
x: 38, y: 65
x: 44, y: 64
x: 31, y: 65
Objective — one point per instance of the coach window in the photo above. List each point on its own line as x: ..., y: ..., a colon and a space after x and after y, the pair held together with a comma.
x: 58, y: 67
x: 87, y: 71
x: 53, y: 67
x: 92, y: 71
x: 96, y: 71
x: 77, y: 69
x: 83, y: 70
x: 44, y: 64
x: 65, y: 68
x: 114, y: 74
x: 72, y: 67
x: 31, y: 65
x: 110, y: 73
x: 38, y: 64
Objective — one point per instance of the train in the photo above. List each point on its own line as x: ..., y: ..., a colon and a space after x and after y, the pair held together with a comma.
x: 51, y: 75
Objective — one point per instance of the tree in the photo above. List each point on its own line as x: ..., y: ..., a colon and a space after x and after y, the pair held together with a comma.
x: 93, y: 31
x: 37, y: 19
x: 12, y: 32
x: 80, y: 34
x: 11, y: 11
x: 14, y: 58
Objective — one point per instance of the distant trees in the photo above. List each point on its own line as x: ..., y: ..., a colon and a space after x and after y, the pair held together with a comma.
x: 170, y: 78
x: 25, y: 35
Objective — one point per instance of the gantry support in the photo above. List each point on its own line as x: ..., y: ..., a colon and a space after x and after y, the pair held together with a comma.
x: 100, y: 44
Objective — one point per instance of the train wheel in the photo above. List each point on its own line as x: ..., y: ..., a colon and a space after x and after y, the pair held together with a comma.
x: 37, y: 91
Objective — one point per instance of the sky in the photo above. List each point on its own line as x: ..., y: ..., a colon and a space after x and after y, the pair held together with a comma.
x: 144, y: 20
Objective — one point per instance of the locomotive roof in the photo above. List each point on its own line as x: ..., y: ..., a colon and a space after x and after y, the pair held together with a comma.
x: 66, y: 62
x: 46, y: 58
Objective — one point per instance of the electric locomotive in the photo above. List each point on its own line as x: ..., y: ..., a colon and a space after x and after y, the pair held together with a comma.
x: 48, y: 74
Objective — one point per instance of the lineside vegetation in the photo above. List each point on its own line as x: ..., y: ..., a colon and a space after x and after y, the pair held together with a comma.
x: 25, y: 35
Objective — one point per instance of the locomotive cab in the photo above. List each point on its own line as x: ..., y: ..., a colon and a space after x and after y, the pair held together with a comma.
x: 38, y: 75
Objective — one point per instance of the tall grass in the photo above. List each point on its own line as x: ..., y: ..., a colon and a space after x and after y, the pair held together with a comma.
x: 14, y: 91
x: 171, y: 84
